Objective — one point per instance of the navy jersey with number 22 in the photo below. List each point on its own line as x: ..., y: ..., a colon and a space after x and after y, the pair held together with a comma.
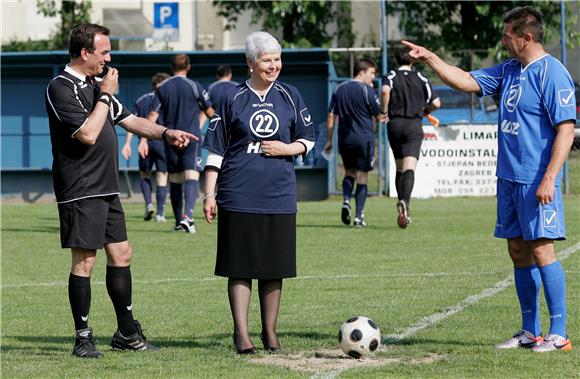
x: 249, y: 181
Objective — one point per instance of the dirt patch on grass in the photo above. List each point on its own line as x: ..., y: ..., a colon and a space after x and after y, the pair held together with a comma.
x: 335, y: 361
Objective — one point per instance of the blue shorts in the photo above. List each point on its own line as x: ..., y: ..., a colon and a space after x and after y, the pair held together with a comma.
x: 179, y: 160
x: 519, y: 214
x: 359, y: 157
x: 156, y: 157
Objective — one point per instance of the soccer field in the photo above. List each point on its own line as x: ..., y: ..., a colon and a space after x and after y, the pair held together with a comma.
x: 440, y: 291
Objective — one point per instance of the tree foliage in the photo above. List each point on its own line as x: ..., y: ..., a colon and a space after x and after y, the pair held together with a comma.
x: 303, y: 23
x: 466, y: 27
x: 70, y: 13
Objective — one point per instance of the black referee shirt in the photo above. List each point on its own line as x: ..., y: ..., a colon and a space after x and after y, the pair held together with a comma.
x: 411, y: 92
x: 78, y: 170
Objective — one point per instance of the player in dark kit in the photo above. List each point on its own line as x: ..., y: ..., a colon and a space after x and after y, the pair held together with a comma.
x: 356, y: 104
x: 151, y: 153
x: 218, y: 90
x: 181, y: 100
x: 82, y: 114
x: 406, y: 96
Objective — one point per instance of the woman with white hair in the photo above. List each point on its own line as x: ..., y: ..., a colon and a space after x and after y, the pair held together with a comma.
x: 249, y: 177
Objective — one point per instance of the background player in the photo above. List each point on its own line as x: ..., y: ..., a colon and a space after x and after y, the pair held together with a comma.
x: 405, y: 96
x: 535, y: 132
x: 151, y: 153
x: 355, y: 103
x: 180, y: 100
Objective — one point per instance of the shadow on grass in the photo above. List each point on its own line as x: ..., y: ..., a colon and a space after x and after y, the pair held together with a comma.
x: 46, y: 229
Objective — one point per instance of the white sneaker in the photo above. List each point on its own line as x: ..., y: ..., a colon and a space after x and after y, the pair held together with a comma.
x: 402, y: 214
x: 160, y: 218
x: 523, y: 338
x: 187, y: 224
x: 553, y: 342
x: 359, y: 222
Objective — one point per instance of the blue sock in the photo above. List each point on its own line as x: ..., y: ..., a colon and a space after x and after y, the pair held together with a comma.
x: 190, y: 196
x: 146, y: 190
x: 554, y: 281
x: 176, y: 195
x: 347, y: 187
x: 161, y: 198
x: 361, y: 198
x: 528, y: 283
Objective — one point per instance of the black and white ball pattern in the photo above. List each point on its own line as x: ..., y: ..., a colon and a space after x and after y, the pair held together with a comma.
x: 359, y: 336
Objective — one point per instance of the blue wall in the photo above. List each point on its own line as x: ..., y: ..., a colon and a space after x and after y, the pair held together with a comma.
x: 24, y: 123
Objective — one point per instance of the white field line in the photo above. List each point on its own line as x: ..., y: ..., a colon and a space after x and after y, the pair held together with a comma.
x: 214, y: 278
x: 436, y: 317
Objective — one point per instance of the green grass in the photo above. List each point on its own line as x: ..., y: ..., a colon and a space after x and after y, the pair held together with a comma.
x: 397, y: 277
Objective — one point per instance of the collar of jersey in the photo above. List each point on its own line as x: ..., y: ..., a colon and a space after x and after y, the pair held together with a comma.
x: 262, y: 98
x: 532, y: 62
x: 76, y: 74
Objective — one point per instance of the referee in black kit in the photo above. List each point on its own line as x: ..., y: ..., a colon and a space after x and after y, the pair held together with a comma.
x: 406, y: 96
x: 82, y: 115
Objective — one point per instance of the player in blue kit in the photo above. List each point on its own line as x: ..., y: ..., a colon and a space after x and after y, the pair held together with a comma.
x: 151, y: 153
x: 355, y: 102
x: 252, y: 140
x: 219, y: 89
x: 536, y: 130
x: 181, y: 100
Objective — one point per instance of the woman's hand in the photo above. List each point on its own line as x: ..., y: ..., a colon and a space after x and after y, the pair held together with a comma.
x: 274, y: 148
x: 209, y: 208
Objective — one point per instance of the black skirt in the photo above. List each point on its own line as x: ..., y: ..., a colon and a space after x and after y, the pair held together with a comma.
x: 256, y: 246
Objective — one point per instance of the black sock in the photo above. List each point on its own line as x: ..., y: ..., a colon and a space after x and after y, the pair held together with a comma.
x: 408, y: 183
x: 399, y: 184
x: 176, y: 196
x: 79, y: 296
x: 347, y: 187
x: 361, y: 198
x: 119, y: 288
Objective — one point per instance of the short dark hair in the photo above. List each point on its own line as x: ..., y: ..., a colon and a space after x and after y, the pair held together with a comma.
x: 158, y: 78
x: 223, y: 70
x: 364, y: 64
x: 402, y: 56
x: 525, y: 20
x: 83, y: 36
x: 179, y: 62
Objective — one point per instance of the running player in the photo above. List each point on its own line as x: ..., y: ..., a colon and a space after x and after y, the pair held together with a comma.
x: 151, y: 153
x: 181, y: 100
x: 535, y: 132
x: 356, y: 104
x: 406, y: 95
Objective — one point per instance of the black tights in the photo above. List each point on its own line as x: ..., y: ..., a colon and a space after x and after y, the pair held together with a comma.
x: 239, y: 294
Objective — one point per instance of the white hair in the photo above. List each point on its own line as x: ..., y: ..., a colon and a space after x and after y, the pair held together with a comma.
x: 258, y: 43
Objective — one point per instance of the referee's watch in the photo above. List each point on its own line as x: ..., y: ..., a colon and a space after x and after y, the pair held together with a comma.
x: 105, y: 98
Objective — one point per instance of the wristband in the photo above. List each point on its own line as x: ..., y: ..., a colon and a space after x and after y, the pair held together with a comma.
x: 163, y: 134
x: 105, y: 98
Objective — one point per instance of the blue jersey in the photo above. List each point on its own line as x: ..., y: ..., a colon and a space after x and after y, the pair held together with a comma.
x: 355, y: 103
x: 534, y: 99
x: 180, y: 100
x: 218, y: 91
x: 249, y: 181
x: 144, y: 105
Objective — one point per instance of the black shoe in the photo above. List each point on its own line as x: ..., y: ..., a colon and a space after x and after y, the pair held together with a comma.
x: 84, y: 344
x: 249, y: 351
x: 148, y: 212
x: 345, y: 213
x: 135, y: 341
x: 268, y: 348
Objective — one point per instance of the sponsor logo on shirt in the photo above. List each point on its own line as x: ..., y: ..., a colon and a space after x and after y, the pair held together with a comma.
x: 565, y: 97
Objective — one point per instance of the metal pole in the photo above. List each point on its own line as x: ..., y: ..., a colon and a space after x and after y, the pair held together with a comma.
x: 563, y: 47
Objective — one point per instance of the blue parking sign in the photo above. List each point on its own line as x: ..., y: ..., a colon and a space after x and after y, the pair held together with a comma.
x: 166, y: 21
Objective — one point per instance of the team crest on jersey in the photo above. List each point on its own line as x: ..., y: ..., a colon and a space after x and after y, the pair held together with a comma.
x: 513, y: 97
x: 264, y: 123
x: 306, y: 117
x: 565, y: 97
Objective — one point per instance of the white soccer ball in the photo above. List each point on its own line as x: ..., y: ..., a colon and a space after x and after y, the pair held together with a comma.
x: 359, y: 336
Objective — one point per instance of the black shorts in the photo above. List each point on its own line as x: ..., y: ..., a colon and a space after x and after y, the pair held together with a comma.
x: 179, y: 160
x: 359, y: 157
x: 405, y: 137
x: 156, y: 157
x: 92, y: 223
x: 256, y: 246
